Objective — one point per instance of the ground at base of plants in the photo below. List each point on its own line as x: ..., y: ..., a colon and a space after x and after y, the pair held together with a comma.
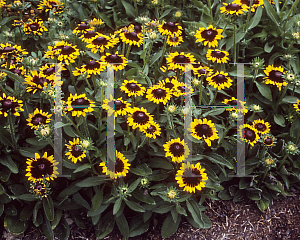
x: 230, y: 220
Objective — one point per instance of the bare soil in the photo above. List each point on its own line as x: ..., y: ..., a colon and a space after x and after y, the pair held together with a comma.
x: 230, y: 220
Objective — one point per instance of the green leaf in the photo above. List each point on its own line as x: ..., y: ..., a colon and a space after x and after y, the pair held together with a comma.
x: 279, y: 119
x: 5, y: 137
x: 14, y: 224
x: 57, y: 217
x: 262, y: 204
x: 289, y: 99
x: 13, y: 76
x: 155, y: 57
x: 206, y: 221
x: 230, y: 42
x: 130, y: 11
x: 160, y: 163
x: 8, y: 162
x: 134, y: 185
x: 62, y: 230
x: 117, y: 206
x: 93, y: 55
x: 134, y: 206
x: 195, y: 212
x: 164, y: 208
x: 97, y: 199
x: 264, y: 90
x: 268, y: 48
x: 35, y: 142
x: 169, y: 227
x: 271, y: 12
x: 81, y: 201
x: 48, y: 208
x: 69, y: 190
x: 165, y: 13
x: 214, y: 112
x: 105, y: 19
x: 138, y: 194
x: 47, y: 229
x: 26, y: 213
x: 180, y: 210
x: 82, y: 167
x: 123, y: 226
x: 70, y: 131
x: 295, y: 128
x: 215, y: 158
x: 91, y: 181
x: 256, y: 18
x: 28, y: 152
x: 27, y: 197
x: 7, y: 19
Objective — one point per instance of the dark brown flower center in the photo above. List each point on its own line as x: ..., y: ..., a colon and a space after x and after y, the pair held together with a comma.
x: 90, y: 34
x: 177, y: 149
x: 39, y: 81
x: 7, y: 104
x: 203, y: 129
x: 118, y: 103
x: 276, y: 76
x: 151, y: 129
x: 100, y: 41
x: 38, y: 119
x: 8, y: 49
x: 141, y: 116
x: 218, y: 54
x: 83, y: 26
x: 34, y: 27
x: 192, y: 177
x: 80, y: 101
x: 170, y: 24
x: 41, y: 166
x: 114, y: 59
x: 92, y: 65
x: 268, y: 141
x: 67, y: 50
x: 250, y: 134
x: 232, y: 102
x: 169, y: 85
x: 39, y: 188
x: 132, y: 86
x: 260, y: 127
x: 233, y: 7
x: 202, y: 71
x: 119, y: 166
x: 16, y: 71
x: 181, y: 59
x: 137, y: 28
x: 159, y: 93
x: 132, y: 36
x: 209, y: 34
x: 49, y: 71
x: 220, y: 78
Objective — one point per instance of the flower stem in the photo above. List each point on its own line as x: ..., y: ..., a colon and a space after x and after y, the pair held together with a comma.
x: 86, y: 126
x: 265, y: 174
x: 123, y: 48
x: 74, y: 125
x: 215, y: 96
x: 90, y: 161
x: 136, y: 9
x: 128, y: 51
x: 200, y: 90
x: 162, y: 7
x: 87, y: 82
x: 210, y: 9
x: 12, y: 131
x: 224, y: 135
x: 163, y: 52
x: 262, y: 152
x: 137, y: 140
x: 234, y: 43
x: 289, y: 14
x: 2, y: 89
x: 298, y: 136
x: 250, y: 118
x: 283, y: 160
x: 248, y: 16
x: 148, y: 56
x: 72, y: 76
x: 172, y: 124
x: 281, y: 97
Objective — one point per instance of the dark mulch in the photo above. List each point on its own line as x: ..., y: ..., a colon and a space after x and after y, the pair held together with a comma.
x: 230, y: 220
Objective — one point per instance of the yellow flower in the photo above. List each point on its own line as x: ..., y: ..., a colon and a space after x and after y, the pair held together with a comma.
x: 209, y: 36
x: 219, y: 80
x: 275, y: 76
x: 38, y: 118
x: 177, y: 150
x: 217, y: 56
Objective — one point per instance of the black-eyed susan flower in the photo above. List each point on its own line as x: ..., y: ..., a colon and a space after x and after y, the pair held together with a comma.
x: 40, y: 188
x: 297, y: 105
x: 200, y: 69
x: 132, y: 88
x: 119, y: 61
x: 240, y: 105
x: 117, y: 106
x: 88, y: 36
x: 275, y: 76
x: 38, y: 118
x: 35, y: 27
x: 82, y: 28
x: 269, y: 161
x: 10, y: 104
x: 79, y: 105
x: 178, y: 60
x: 191, y: 177
x: 158, y: 94
x: 255, y: 3
x: 64, y: 52
x: 90, y: 68
x: 15, y: 68
x: 17, y: 23
x: 153, y: 130
x: 209, y: 36
x: 2, y: 3
x: 248, y: 134
x: 75, y: 153
x: 139, y: 118
x: 121, y: 167
x: 170, y: 83
x: 37, y: 80
x: 261, y: 126
x: 177, y: 150
x: 181, y: 89
x: 268, y: 140
x: 101, y: 42
x: 41, y: 167
x: 219, y: 80
x: 49, y: 70
x: 204, y: 129
x: 291, y: 148
x: 170, y: 29
x: 174, y: 41
x: 217, y: 56
x: 7, y: 50
x: 55, y: 5
x: 96, y: 22
x: 234, y: 8
x: 132, y: 38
